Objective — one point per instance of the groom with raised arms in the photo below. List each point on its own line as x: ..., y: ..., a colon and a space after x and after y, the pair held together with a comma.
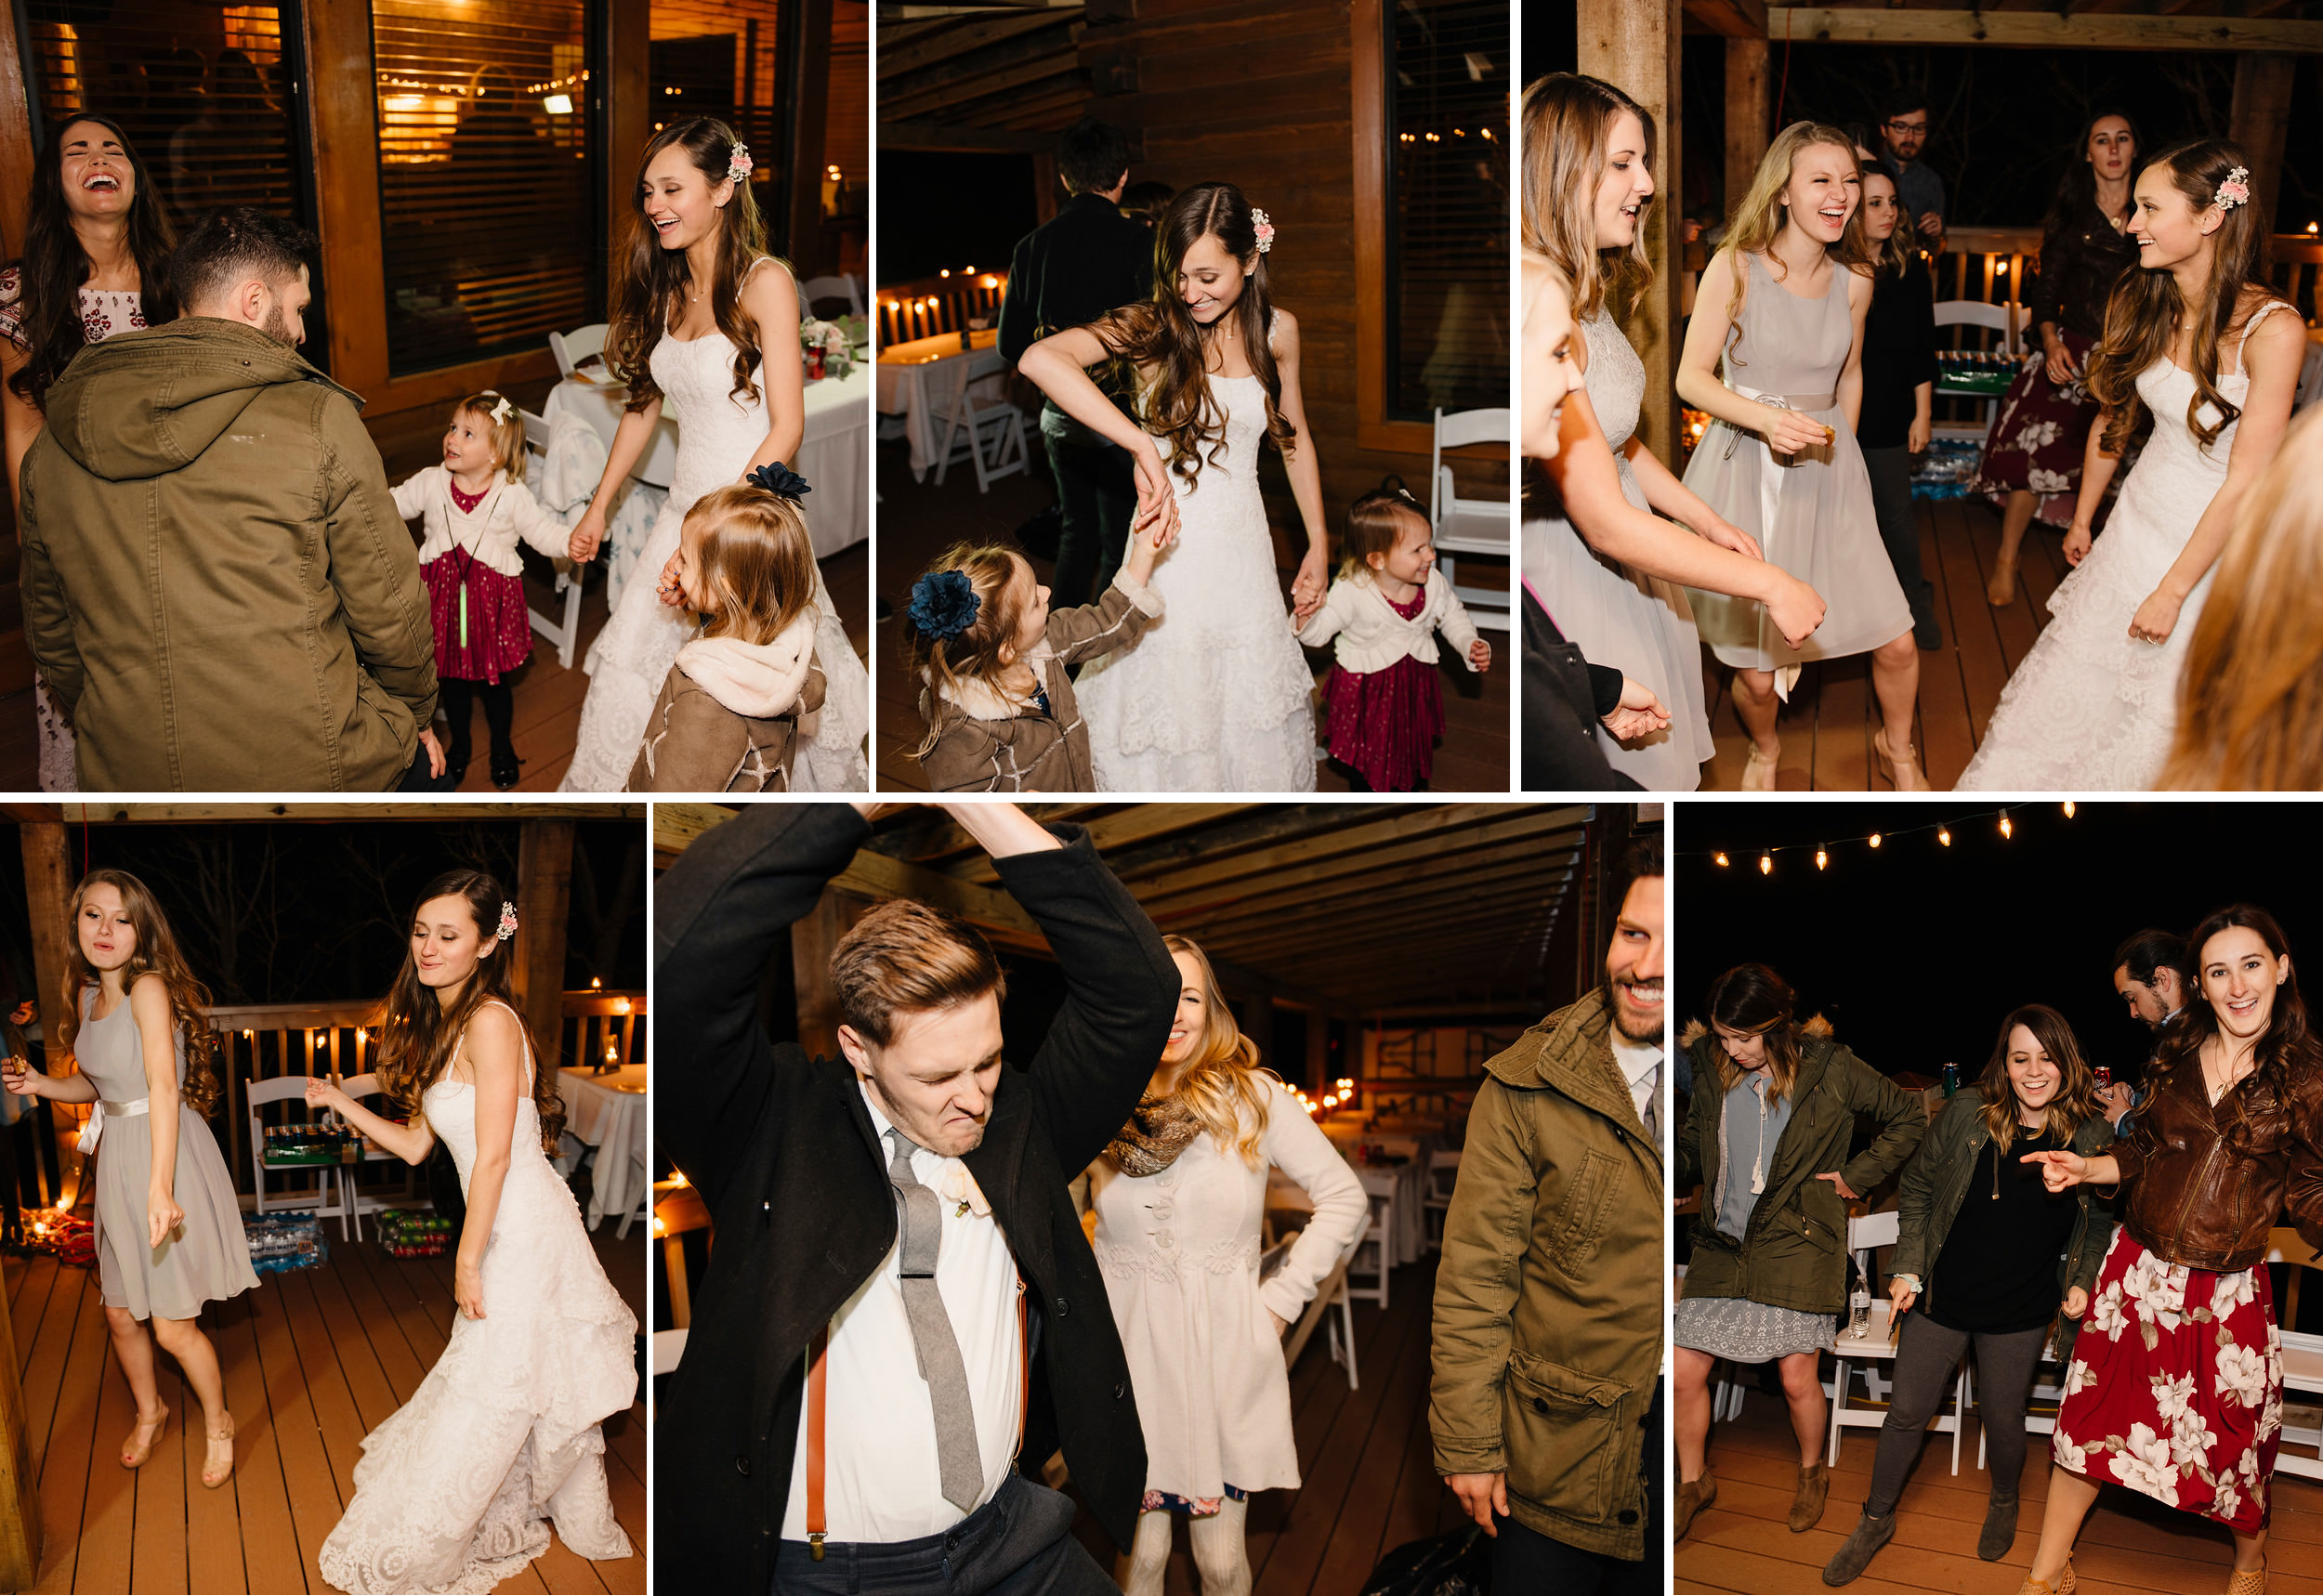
x: 901, y: 1311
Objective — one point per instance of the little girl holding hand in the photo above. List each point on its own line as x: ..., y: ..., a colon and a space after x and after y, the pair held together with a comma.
x: 1386, y: 607
x: 991, y: 657
x: 473, y: 509
x: 743, y: 694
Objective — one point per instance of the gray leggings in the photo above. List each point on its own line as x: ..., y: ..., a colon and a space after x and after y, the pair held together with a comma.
x: 1925, y: 1360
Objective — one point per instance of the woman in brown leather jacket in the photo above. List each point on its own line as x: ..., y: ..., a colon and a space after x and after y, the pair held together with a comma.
x: 2176, y: 1384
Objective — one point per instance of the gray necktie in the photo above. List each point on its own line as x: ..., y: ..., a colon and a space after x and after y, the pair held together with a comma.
x: 1653, y: 1106
x: 922, y: 1219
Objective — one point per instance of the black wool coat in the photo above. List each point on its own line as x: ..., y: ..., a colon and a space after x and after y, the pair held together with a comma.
x: 781, y: 1149
x: 1072, y: 268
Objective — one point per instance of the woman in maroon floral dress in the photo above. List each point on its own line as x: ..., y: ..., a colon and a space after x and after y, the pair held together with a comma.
x: 2032, y: 455
x: 2175, y: 1389
x: 96, y: 262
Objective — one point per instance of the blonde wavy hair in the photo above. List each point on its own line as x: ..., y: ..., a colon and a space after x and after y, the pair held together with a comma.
x: 1761, y: 215
x: 1220, y: 1083
x: 1568, y: 123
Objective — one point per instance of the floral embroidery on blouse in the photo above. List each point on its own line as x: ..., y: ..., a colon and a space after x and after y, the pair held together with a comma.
x: 104, y: 312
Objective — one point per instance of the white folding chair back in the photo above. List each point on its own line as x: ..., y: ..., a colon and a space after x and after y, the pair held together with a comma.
x: 1375, y: 1252
x: 359, y: 1087
x: 842, y: 287
x: 1974, y: 313
x: 1873, y: 1355
x: 990, y: 435
x: 566, y: 633
x: 1443, y: 1175
x: 571, y: 348
x: 1469, y: 526
x: 669, y: 1346
x: 2303, y: 1359
x: 329, y: 1197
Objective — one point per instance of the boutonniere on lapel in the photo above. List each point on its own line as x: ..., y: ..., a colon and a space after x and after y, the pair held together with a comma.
x: 960, y: 1188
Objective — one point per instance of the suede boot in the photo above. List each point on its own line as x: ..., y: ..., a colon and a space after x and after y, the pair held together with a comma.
x: 1870, y: 1534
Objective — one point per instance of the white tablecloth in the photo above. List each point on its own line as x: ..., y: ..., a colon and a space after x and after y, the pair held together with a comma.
x: 835, y: 457
x: 1406, y: 1183
x: 914, y: 376
x: 608, y: 1112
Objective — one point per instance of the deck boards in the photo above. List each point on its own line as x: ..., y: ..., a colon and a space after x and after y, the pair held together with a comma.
x: 1827, y: 728
x: 312, y: 1361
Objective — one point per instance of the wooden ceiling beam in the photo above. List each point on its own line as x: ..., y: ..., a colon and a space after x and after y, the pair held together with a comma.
x: 2040, y: 30
x: 1002, y: 86
x: 1734, y: 19
x: 1127, y: 825
x: 1405, y: 884
x: 1391, y: 947
x: 974, y: 141
x: 186, y: 813
x: 1421, y: 920
x: 935, y: 42
x: 1268, y: 824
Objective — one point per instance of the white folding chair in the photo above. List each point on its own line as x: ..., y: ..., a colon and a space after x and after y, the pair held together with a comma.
x: 329, y: 1195
x: 1375, y: 1249
x: 1469, y: 526
x: 2303, y: 1359
x: 356, y: 1205
x: 842, y: 287
x: 1443, y: 1175
x: 565, y: 634
x: 1974, y: 313
x: 571, y: 348
x: 1726, y: 1391
x: 990, y: 435
x: 1872, y: 1353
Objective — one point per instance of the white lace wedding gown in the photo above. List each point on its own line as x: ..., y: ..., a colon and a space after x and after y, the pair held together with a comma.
x: 717, y: 436
x: 452, y: 1492
x: 1217, y: 696
x: 2092, y: 709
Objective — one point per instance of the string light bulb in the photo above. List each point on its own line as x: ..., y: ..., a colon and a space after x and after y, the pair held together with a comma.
x: 1765, y: 864
x: 1875, y: 839
x: 1944, y: 835
x: 1721, y: 861
x: 1821, y: 859
x: 2007, y: 830
x: 2069, y: 808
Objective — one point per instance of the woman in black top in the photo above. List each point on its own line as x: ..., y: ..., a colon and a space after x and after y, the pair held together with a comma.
x: 2032, y: 456
x: 1898, y: 387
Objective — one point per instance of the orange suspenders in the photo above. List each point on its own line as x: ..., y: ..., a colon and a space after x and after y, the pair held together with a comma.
x: 819, y: 1354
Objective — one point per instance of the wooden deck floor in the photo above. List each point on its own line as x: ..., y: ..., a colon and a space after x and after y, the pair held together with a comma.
x: 1828, y: 726
x: 2128, y: 1543
x: 918, y: 520
x: 313, y: 1360
x: 1369, y: 1485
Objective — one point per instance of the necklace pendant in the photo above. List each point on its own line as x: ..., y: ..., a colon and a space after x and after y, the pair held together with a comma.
x: 961, y: 1211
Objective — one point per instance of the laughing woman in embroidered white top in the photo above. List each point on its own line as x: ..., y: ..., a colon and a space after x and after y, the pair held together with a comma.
x: 1178, y: 1197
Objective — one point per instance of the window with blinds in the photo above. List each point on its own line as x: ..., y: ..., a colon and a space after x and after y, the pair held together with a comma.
x: 720, y: 58
x: 488, y: 182
x: 207, y: 95
x: 1447, y: 87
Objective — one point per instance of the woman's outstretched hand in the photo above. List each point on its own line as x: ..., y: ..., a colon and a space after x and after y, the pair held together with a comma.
x: 2059, y: 1168
x: 1638, y: 714
x: 1900, y: 1295
x: 20, y: 1076
x: 322, y: 1093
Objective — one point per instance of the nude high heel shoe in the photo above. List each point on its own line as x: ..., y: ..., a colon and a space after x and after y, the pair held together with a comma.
x: 215, y: 1471
x: 139, y: 1445
x: 2254, y: 1582
x: 1903, y: 769
x: 2063, y: 1587
x: 1758, y: 772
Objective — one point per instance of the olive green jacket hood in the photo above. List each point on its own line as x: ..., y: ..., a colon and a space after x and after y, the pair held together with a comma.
x: 217, y: 588
x: 1548, y: 1321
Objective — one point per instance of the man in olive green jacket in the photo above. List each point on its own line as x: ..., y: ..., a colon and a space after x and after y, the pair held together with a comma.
x: 1545, y: 1405
x: 217, y: 588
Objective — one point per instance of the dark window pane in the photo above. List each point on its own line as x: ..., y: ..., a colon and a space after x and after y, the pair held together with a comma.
x: 719, y: 58
x: 488, y: 179
x: 1448, y: 206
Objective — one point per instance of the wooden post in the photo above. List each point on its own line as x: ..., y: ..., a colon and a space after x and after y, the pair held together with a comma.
x: 1634, y: 46
x: 16, y: 138
x: 1746, y: 114
x: 2260, y: 120
x: 813, y: 940
x: 344, y: 122
x: 47, y: 893
x: 627, y: 119
x: 544, y: 904
x: 811, y: 92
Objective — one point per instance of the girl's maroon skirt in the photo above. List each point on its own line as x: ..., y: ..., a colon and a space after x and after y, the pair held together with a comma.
x: 499, y: 627
x: 2039, y: 439
x: 1384, y: 725
x: 2175, y: 1389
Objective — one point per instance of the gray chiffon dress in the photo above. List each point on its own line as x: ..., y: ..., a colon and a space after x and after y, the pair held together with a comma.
x: 1640, y: 625
x: 206, y: 1257
x: 1812, y: 512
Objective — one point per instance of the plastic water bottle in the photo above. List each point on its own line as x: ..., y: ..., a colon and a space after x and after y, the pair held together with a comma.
x: 1951, y: 1079
x: 1860, y: 1310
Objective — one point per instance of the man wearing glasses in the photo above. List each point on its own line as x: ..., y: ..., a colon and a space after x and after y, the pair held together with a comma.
x: 1904, y: 130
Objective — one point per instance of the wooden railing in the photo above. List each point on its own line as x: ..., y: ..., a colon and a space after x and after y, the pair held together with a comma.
x: 942, y: 304
x: 1991, y: 263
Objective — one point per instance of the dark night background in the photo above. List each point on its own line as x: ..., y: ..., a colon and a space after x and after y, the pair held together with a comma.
x: 2004, y: 121
x: 960, y: 210
x: 285, y: 912
x: 1915, y: 952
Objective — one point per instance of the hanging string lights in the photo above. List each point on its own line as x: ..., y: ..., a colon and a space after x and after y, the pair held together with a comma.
x: 2004, y: 823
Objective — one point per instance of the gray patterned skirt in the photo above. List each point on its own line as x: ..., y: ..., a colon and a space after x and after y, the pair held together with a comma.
x: 1745, y: 1331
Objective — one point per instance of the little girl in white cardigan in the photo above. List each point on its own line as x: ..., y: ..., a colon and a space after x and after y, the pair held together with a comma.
x: 473, y: 509
x: 1386, y: 702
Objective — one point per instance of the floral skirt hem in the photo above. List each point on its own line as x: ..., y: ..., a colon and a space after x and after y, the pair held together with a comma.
x: 2175, y: 1389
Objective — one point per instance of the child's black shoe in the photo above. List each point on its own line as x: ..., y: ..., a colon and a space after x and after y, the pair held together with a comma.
x: 505, y: 763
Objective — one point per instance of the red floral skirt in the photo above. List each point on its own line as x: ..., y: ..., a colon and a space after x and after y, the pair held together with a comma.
x: 498, y: 635
x: 2175, y: 1389
x: 1385, y: 724
x: 2037, y: 440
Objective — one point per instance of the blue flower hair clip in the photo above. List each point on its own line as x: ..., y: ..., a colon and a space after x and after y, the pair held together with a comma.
x: 943, y: 603
x: 781, y: 482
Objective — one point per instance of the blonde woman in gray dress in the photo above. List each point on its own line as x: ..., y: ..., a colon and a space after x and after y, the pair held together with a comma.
x: 168, y: 1229
x: 1781, y: 461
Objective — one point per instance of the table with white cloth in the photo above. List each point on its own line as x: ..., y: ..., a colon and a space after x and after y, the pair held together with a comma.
x: 1405, y: 1183
x: 833, y: 455
x: 913, y: 377
x: 608, y: 1112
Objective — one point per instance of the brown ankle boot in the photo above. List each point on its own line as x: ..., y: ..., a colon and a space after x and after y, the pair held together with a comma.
x: 1806, y: 1507
x: 1693, y: 1496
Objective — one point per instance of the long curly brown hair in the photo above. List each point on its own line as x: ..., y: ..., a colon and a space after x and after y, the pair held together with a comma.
x: 2076, y: 1096
x: 1170, y: 349
x: 420, y: 1034
x: 54, y: 266
x: 2287, y: 1049
x: 157, y: 954
x: 2141, y: 319
x: 653, y: 282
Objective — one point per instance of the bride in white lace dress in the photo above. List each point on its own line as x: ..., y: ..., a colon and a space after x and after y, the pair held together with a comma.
x: 1216, y: 696
x: 456, y: 1490
x: 2194, y: 338
x: 700, y: 347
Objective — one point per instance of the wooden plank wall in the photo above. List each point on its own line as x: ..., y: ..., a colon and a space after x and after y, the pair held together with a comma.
x: 1278, y: 123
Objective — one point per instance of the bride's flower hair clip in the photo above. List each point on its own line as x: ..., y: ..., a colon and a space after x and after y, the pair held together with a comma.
x: 1263, y: 228
x: 738, y: 164
x: 781, y: 482
x: 507, y: 921
x: 943, y: 605
x: 2234, y: 191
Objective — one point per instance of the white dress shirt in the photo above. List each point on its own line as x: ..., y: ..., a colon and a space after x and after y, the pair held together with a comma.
x: 881, y: 1478
x: 1639, y: 1063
